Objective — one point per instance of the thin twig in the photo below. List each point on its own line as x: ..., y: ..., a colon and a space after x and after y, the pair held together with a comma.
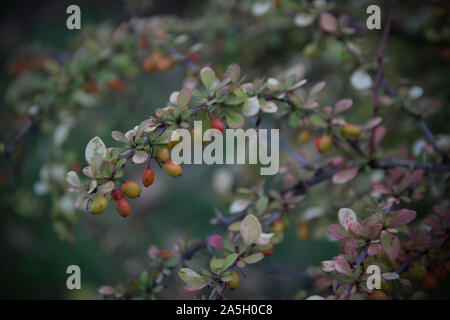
x: 295, y: 155
x: 27, y: 127
x: 379, y: 73
x: 359, y: 260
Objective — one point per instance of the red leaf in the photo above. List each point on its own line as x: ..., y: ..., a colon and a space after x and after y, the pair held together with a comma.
x: 416, y: 177
x: 432, y: 222
x: 345, y: 176
x: 391, y: 245
x: 374, y: 230
x: 350, y: 247
x: 441, y: 210
x: 216, y: 241
x: 396, y: 176
x: 403, y: 216
x: 404, y: 281
x: 343, y: 105
x: 341, y: 265
x: 380, y: 132
x: 381, y: 188
x: 358, y: 229
x: 421, y: 240
x: 337, y: 231
x: 374, y: 249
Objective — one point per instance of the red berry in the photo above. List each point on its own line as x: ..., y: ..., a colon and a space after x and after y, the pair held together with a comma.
x: 117, y: 194
x: 440, y: 273
x: 378, y: 295
x: 267, y: 252
x: 216, y: 123
x: 123, y: 207
x: 194, y: 57
x: 447, y: 265
x: 116, y: 85
x: 323, y: 143
x: 147, y: 177
x: 430, y: 282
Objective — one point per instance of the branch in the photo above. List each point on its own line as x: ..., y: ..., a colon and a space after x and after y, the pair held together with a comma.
x: 295, y: 155
x: 379, y: 73
x: 359, y: 260
x: 390, y: 164
x: 19, y: 136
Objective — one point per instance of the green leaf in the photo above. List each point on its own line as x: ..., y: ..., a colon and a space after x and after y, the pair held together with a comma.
x: 191, y: 278
x: 172, y: 262
x: 254, y: 258
x: 235, y: 226
x: 163, y: 138
x: 294, y: 120
x: 207, y: 76
x: 229, y: 261
x: 183, y: 98
x: 119, y: 136
x: 317, y: 120
x: 261, y: 204
x: 95, y: 152
x: 234, y: 71
x: 228, y: 245
x: 216, y: 264
x: 227, y: 277
x: 234, y: 119
x: 241, y: 94
x: 250, y: 229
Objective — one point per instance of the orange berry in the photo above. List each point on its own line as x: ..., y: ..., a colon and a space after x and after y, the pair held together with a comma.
x: 165, y: 63
x: 447, y: 265
x: 149, y: 64
x: 440, y: 273
x: 278, y: 225
x: 91, y: 86
x: 323, y: 143
x: 123, y: 207
x: 142, y: 41
x: 116, y: 85
x: 378, y: 295
x: 194, y: 57
x: 303, y: 230
x: 166, y: 253
x: 233, y: 284
x: 162, y: 154
x: 131, y: 189
x: 351, y: 130
x: 267, y: 252
x: 430, y: 282
x: 417, y: 271
x: 303, y: 137
x: 173, y: 168
x: 147, y: 177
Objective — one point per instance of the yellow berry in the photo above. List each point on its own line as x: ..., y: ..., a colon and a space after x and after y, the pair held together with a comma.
x: 99, y: 205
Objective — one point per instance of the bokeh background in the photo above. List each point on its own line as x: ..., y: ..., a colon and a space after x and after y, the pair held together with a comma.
x: 110, y: 249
